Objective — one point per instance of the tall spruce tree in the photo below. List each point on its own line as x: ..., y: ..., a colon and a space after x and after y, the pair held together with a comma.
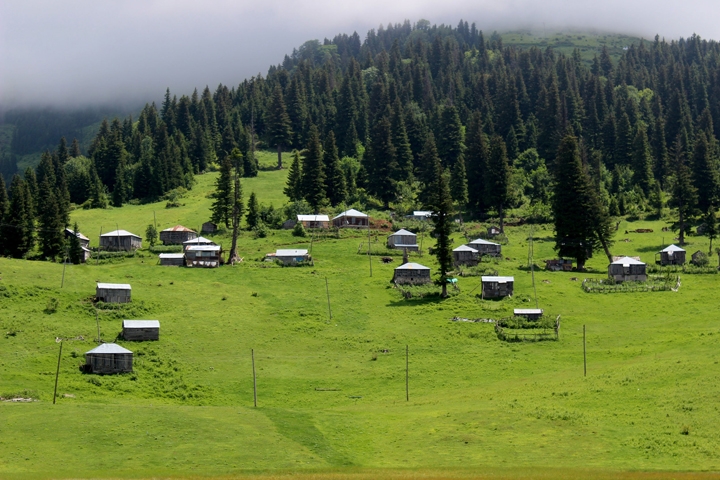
x: 223, y: 196
x: 4, y: 205
x: 51, y: 225
x: 313, y: 171
x: 293, y: 186
x: 642, y: 161
x: 278, y: 126
x: 335, y: 180
x: 705, y: 173
x: 253, y: 212
x: 441, y: 205
x: 477, y: 163
x: 75, y: 251
x: 711, y: 227
x: 498, y: 178
x: 684, y: 195
x: 18, y: 229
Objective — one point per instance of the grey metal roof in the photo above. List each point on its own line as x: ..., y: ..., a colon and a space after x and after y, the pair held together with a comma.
x: 480, y: 241
x: 199, y: 241
x: 351, y: 213
x: 172, y: 255
x: 114, y: 286
x: 528, y: 311
x: 627, y: 261
x: 498, y: 279
x: 141, y: 324
x: 422, y: 213
x: 404, y: 245
x: 313, y: 218
x: 77, y: 234
x: 119, y: 233
x: 465, y: 248
x: 402, y: 231
x: 290, y: 253
x: 672, y: 249
x: 412, y: 266
x: 204, y: 248
x: 109, y: 348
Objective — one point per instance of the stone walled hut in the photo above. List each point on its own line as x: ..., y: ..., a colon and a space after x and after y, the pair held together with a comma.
x: 109, y: 358
x: 464, y: 255
x: 627, y: 269
x: 403, y: 239
x: 412, y: 274
x: 672, y: 255
x: 118, y: 240
x: 139, y: 330
x: 177, y: 235
x: 113, y: 292
x: 485, y: 247
x: 351, y: 219
x: 497, y: 287
x: 204, y: 256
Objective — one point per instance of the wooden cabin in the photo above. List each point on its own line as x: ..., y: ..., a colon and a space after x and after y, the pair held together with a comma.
x: 208, y: 227
x: 140, y: 330
x: 203, y: 256
x: 497, y: 287
x: 412, y: 274
x: 403, y: 239
x: 559, y: 265
x: 464, y: 255
x: 493, y: 232
x: 420, y: 215
x: 314, y: 221
x: 351, y: 219
x: 86, y: 254
x: 627, y: 269
x: 197, y: 241
x: 485, y: 247
x: 109, y: 358
x: 672, y: 255
x: 177, y: 235
x: 290, y: 256
x: 120, y: 240
x: 529, y: 313
x: 84, y: 241
x: 172, y: 259
x: 113, y: 292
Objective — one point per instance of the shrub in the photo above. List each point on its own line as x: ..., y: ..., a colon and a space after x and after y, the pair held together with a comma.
x: 261, y: 230
x: 52, y: 305
x: 701, y: 259
x: 298, y: 230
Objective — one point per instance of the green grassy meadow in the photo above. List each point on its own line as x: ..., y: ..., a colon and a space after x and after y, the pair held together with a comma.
x: 331, y: 392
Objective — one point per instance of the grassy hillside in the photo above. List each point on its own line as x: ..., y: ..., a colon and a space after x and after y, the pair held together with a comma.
x: 589, y: 43
x: 331, y: 392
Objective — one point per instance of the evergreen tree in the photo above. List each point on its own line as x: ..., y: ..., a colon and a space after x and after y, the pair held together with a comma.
x: 4, y: 205
x: 459, y: 184
x: 313, y: 171
x: 476, y: 161
x: 684, y: 194
x: 449, y: 140
x: 293, y: 186
x: 97, y: 196
x: 50, y: 234
x: 642, y: 161
x: 278, y: 124
x: 151, y: 235
x: 498, y: 178
x: 401, y: 142
x: 75, y: 148
x: 335, y: 179
x: 253, y: 214
x: 380, y: 161
x: 442, y: 208
x: 705, y: 174
x: 62, y: 152
x: 223, y: 205
x: 426, y: 170
x: 75, y: 251
x: 18, y: 229
x: 711, y: 227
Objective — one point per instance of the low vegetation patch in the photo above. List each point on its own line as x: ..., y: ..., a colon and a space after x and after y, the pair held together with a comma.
x: 654, y: 283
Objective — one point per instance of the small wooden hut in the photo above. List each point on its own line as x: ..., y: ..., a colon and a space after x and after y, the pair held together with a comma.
x: 627, y: 269
x: 485, y: 247
x: 139, y: 330
x: 559, y: 265
x: 403, y: 239
x: 86, y: 254
x: 496, y: 287
x: 464, y: 255
x: 118, y: 240
x: 412, y: 274
x: 172, y: 259
x: 84, y: 241
x: 109, y: 358
x: 203, y: 256
x: 113, y: 292
x: 493, y: 231
x: 177, y: 235
x: 198, y: 241
x: 420, y: 215
x: 529, y: 313
x: 208, y: 227
x: 291, y: 256
x: 314, y: 221
x: 351, y: 219
x: 672, y: 255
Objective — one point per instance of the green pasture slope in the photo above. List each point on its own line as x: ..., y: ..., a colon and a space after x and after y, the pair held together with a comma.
x: 331, y: 393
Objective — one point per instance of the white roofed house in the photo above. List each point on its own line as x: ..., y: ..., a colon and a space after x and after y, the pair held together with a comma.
x: 627, y: 269
x: 198, y: 241
x: 403, y: 239
x: 203, y: 256
x: 351, y: 219
x: 172, y: 259
x: 118, y: 240
x: 314, y: 221
x: 672, y: 255
x: 139, y: 330
x: 113, y: 292
x: 496, y: 287
x: 109, y: 358
x: 485, y: 247
x: 464, y: 255
x: 412, y: 274
x: 291, y: 256
x: 420, y: 215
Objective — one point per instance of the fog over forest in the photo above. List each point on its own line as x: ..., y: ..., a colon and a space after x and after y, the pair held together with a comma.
x: 81, y: 52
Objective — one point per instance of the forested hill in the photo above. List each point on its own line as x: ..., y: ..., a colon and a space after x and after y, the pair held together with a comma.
x: 494, y: 113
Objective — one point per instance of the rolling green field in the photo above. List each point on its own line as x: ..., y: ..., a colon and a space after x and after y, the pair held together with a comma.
x: 331, y: 392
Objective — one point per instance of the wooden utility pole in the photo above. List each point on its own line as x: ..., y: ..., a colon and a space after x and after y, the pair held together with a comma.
x: 407, y: 373
x: 327, y: 291
x: 57, y: 373
x: 97, y: 322
x: 584, y: 355
x: 97, y: 258
x: 252, y: 354
x: 233, y: 257
x: 67, y: 253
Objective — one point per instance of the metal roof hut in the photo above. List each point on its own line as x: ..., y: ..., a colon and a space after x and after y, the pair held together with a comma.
x: 672, y: 255
x: 198, y: 241
x: 292, y: 256
x: 497, y: 287
x: 109, y: 358
x: 172, y: 259
x: 627, y: 269
x: 485, y: 247
x: 84, y: 241
x: 113, y: 292
x: 420, y: 215
x: 120, y: 240
x: 204, y: 256
x: 314, y: 221
x: 464, y: 255
x: 529, y: 313
x: 412, y: 274
x: 208, y: 227
x: 177, y: 235
x: 403, y: 239
x: 351, y: 219
x: 139, y: 330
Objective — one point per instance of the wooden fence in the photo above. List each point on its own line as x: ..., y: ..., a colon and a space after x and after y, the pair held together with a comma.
x: 541, y: 332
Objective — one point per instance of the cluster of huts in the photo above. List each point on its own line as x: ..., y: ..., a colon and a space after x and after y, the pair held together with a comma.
x: 197, y: 251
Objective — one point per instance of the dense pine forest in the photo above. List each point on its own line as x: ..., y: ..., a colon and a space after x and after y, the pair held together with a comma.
x: 375, y: 123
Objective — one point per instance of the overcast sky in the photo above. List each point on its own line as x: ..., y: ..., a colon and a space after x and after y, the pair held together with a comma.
x: 74, y: 52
